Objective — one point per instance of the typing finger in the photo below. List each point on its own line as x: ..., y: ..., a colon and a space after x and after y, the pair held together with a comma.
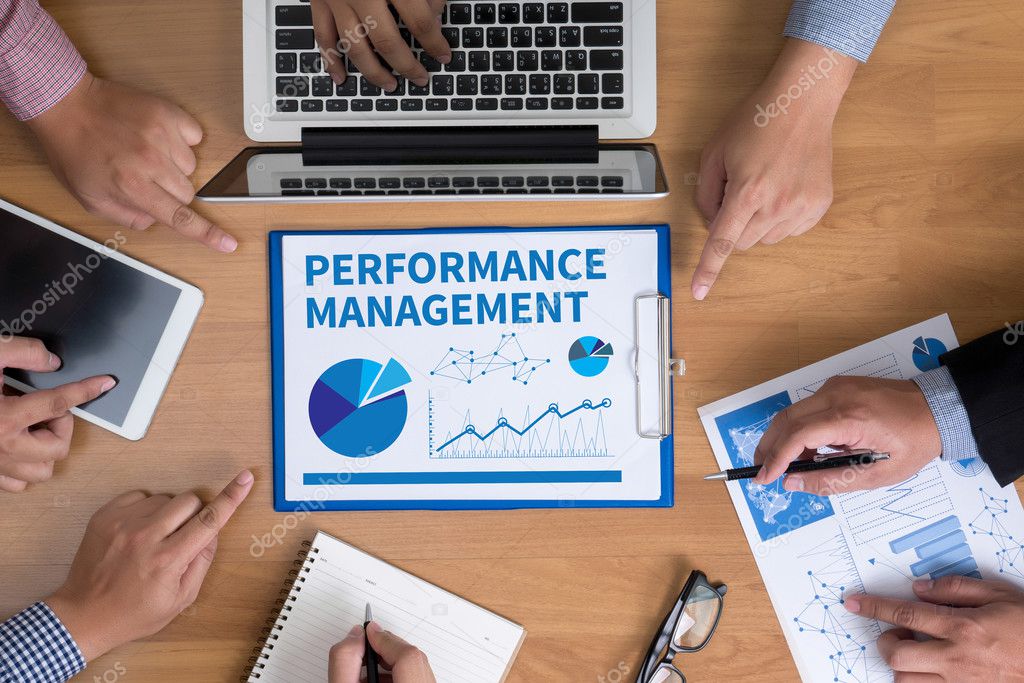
x: 29, y: 472
x: 725, y: 229
x: 903, y: 653
x: 919, y: 617
x: 45, y: 405
x: 389, y: 43
x: 425, y: 24
x: 346, y: 658
x: 27, y: 354
x: 325, y: 31
x: 360, y: 52
x: 197, y: 532
x: 163, y: 206
x: 12, y: 485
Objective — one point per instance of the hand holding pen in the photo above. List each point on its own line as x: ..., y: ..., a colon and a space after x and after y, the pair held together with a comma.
x: 403, y: 662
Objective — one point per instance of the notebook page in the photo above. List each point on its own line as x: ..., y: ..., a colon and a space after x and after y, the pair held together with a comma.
x: 465, y: 643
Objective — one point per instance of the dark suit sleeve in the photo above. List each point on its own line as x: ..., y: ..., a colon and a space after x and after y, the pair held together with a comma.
x: 989, y: 374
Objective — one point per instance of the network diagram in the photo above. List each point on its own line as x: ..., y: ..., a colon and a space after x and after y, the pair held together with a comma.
x: 466, y: 365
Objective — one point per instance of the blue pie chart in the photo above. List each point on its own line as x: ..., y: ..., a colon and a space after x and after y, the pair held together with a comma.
x: 357, y: 407
x: 589, y: 356
x: 926, y: 353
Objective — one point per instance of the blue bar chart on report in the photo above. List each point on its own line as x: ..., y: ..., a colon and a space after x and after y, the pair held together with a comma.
x: 948, y: 518
x: 473, y: 368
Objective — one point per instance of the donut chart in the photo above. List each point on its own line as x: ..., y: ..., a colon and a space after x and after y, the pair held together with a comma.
x: 357, y: 408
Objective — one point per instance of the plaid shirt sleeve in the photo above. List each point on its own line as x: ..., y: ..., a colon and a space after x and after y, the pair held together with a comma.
x: 950, y: 414
x: 36, y: 648
x: 851, y: 27
x: 38, y: 63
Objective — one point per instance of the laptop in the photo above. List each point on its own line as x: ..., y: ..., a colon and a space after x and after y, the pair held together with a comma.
x: 531, y: 91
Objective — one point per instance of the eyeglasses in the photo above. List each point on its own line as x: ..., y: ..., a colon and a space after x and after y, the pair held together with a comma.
x: 687, y: 628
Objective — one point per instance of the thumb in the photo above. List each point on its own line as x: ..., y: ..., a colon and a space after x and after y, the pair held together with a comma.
x: 960, y: 591
x: 346, y: 658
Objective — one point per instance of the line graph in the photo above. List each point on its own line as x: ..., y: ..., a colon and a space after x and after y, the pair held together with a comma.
x: 466, y: 365
x: 577, y: 432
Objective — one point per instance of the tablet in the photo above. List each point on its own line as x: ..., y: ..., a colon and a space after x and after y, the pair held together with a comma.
x: 100, y: 311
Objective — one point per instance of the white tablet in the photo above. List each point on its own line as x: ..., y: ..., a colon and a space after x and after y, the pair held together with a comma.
x: 100, y: 311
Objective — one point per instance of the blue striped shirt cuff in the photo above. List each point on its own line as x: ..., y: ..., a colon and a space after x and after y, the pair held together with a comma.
x: 950, y: 415
x: 35, y: 647
x: 851, y: 27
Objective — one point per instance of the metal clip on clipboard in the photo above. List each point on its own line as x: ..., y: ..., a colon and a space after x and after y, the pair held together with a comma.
x: 668, y: 367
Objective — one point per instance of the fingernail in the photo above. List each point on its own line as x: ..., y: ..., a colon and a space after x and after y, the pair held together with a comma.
x: 700, y: 293
x: 54, y: 361
x: 445, y: 59
x: 244, y: 477
x: 924, y: 585
x: 228, y: 244
x: 338, y: 80
x: 422, y: 82
x: 357, y: 630
x: 374, y: 626
x: 109, y: 384
x: 793, y: 483
x: 852, y: 604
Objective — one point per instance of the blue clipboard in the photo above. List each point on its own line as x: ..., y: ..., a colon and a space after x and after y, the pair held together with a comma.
x: 282, y: 504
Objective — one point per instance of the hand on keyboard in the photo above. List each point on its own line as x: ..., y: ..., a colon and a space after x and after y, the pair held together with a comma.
x: 767, y: 173
x: 358, y: 27
x: 126, y: 155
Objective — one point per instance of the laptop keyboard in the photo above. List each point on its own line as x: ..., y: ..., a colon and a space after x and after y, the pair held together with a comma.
x: 506, y: 57
x: 382, y: 184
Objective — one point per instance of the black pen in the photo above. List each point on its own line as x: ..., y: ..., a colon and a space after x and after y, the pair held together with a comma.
x: 847, y: 459
x: 371, y: 655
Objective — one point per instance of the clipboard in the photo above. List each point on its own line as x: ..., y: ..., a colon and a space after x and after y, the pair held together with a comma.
x: 656, y: 427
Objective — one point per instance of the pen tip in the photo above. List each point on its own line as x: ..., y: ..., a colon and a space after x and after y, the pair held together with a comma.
x: 369, y: 612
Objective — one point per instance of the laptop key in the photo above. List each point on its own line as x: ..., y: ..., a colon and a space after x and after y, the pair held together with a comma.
x: 361, y: 105
x: 612, y: 84
x: 472, y: 37
x: 515, y: 84
x: 286, y: 63
x: 612, y: 103
x: 512, y: 181
x: 503, y: 60
x: 429, y: 63
x: 412, y: 104
x: 290, y: 183
x: 310, y: 63
x: 347, y: 88
x: 326, y: 193
x: 487, y: 181
x: 443, y: 85
x: 458, y: 62
x: 298, y: 193
x: 479, y: 60
x: 565, y: 84
x: 588, y: 84
x: 293, y: 15
x: 490, y: 84
x: 460, y: 13
x: 602, y: 36
x: 366, y: 183
x: 315, y: 183
x: 558, y: 13
x: 569, y: 36
x: 511, y: 103
x: 576, y: 60
x: 484, y: 13
x: 596, y: 12
x: 399, y: 88
x: 533, y: 12
x: 522, y: 36
x: 487, y: 104
x: 462, y: 104
x: 497, y: 36
x: 368, y: 89
x: 537, y: 181
x: 419, y: 90
x: 561, y: 103
x: 563, y: 181
x: 286, y: 106
x: 587, y: 181
x: 551, y: 60
x: 323, y: 86
x: 389, y: 183
x: 451, y: 34
x: 508, y: 13
x: 293, y: 86
x: 526, y: 60
x: 294, y: 39
x: 606, y: 60
x: 435, y: 104
x: 438, y: 181
x: 463, y: 181
x: 468, y: 85
x: 586, y: 103
x: 545, y: 36
x: 612, y: 180
x: 540, y: 84
x: 341, y: 183
x: 310, y: 106
x: 413, y: 183
x: 387, y: 105
x: 536, y: 103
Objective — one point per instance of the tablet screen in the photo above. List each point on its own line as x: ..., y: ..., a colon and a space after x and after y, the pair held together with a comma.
x: 99, y: 315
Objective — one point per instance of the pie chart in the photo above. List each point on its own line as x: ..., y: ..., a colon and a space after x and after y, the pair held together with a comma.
x: 357, y: 407
x: 926, y: 353
x: 589, y: 356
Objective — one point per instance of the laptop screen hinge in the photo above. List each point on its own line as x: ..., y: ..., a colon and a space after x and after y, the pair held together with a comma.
x: 470, y: 144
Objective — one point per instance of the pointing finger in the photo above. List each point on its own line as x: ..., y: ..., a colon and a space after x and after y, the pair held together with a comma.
x: 181, y: 218
x: 724, y: 231
x: 920, y: 617
x: 47, y: 404
x: 197, y: 533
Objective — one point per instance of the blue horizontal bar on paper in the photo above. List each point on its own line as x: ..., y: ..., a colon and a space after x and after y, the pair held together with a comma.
x: 951, y: 556
x: 377, y: 478
x: 925, y: 535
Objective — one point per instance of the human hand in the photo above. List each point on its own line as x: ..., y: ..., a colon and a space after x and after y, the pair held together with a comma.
x: 35, y: 429
x: 406, y: 663
x: 126, y: 155
x: 975, y: 626
x: 884, y: 415
x: 767, y: 173
x: 142, y: 562
x: 358, y: 27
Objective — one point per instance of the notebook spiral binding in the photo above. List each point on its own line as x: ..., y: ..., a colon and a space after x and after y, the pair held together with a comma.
x: 288, y: 593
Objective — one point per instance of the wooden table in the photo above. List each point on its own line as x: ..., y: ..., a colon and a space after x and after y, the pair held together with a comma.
x: 929, y: 153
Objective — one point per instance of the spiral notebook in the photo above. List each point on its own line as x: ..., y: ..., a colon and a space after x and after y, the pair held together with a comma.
x: 327, y: 596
